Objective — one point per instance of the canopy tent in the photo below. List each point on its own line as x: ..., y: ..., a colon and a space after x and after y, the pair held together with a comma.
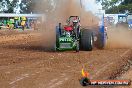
x: 22, y: 15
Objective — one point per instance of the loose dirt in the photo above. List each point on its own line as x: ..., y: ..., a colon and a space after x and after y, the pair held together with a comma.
x: 24, y: 63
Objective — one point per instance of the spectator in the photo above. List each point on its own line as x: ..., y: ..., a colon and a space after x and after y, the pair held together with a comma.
x: 23, y: 25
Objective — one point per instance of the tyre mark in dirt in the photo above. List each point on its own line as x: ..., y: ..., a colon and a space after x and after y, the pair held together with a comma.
x: 19, y: 78
x: 102, y: 68
x: 105, y: 66
x: 57, y: 81
x: 9, y: 38
x: 34, y: 64
x: 76, y: 71
x: 25, y: 76
x: 73, y: 68
x: 91, y: 61
x: 125, y: 52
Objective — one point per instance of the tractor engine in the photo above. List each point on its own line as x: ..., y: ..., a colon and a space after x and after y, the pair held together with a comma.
x: 68, y: 34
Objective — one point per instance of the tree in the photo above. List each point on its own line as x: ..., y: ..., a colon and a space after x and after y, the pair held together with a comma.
x: 126, y: 2
x: 4, y: 4
x: 25, y: 6
x: 7, y: 6
x: 117, y: 6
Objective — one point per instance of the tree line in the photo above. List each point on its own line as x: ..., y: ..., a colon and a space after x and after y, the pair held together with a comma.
x: 27, y: 6
x: 117, y: 6
x: 16, y: 6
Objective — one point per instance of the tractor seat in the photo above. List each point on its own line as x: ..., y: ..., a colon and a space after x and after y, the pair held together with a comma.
x: 68, y: 28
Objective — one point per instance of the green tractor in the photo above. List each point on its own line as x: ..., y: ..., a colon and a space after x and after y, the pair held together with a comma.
x: 73, y: 37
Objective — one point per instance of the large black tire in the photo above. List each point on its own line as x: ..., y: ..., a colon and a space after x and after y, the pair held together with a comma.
x: 87, y: 40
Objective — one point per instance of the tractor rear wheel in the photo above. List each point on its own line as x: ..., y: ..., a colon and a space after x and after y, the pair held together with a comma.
x: 87, y: 40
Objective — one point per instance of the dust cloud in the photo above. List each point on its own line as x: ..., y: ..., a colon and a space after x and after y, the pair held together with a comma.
x: 119, y: 37
x: 58, y: 11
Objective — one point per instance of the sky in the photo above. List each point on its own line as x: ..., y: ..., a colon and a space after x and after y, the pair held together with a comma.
x: 91, y: 5
x: 10, y: 0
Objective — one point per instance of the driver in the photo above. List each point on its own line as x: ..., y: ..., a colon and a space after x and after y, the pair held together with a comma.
x: 71, y: 20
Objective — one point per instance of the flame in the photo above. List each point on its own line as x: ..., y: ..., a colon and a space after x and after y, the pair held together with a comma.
x: 84, y: 74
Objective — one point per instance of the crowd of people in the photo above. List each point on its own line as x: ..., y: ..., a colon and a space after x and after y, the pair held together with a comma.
x: 20, y: 23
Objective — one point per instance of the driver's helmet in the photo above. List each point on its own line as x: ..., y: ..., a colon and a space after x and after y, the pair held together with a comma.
x: 75, y: 20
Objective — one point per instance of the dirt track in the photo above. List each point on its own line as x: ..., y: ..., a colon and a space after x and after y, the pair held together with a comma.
x: 24, y: 63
